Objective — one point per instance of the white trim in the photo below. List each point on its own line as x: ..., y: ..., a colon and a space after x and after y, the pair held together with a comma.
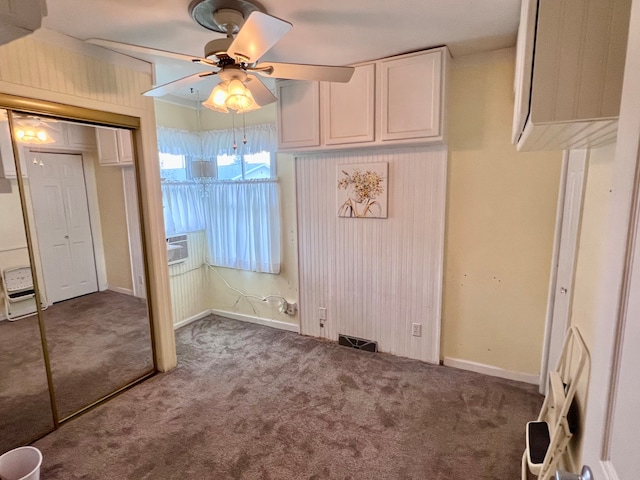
x: 267, y: 322
x: 290, y: 327
x: 192, y: 319
x: 491, y: 370
x: 126, y: 291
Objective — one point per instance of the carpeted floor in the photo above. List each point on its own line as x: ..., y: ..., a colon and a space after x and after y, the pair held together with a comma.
x: 251, y: 402
x: 97, y: 344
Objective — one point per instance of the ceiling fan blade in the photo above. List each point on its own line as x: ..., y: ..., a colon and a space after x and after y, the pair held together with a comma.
x: 176, y: 84
x: 296, y: 71
x: 258, y: 34
x: 261, y: 94
x: 127, y: 47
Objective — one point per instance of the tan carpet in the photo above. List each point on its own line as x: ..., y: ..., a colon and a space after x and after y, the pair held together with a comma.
x: 250, y: 402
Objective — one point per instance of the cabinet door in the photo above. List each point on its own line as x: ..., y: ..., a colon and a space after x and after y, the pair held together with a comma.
x: 80, y: 136
x: 410, y: 96
x: 125, y: 147
x: 348, y: 108
x: 298, y: 114
x: 107, y: 142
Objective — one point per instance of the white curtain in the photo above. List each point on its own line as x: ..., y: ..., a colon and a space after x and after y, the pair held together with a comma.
x: 243, y: 225
x: 208, y: 145
x: 183, y: 207
x: 260, y: 138
x: 179, y: 142
x: 241, y: 219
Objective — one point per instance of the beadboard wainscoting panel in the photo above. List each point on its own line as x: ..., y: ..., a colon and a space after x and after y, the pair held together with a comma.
x: 54, y: 68
x: 375, y: 277
x: 189, y: 280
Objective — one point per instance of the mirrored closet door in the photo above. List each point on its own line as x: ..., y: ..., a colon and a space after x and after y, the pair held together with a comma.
x: 25, y: 406
x: 82, y: 210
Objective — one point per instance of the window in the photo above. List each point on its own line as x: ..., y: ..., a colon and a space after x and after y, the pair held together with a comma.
x: 246, y: 167
x: 240, y: 213
x: 173, y: 167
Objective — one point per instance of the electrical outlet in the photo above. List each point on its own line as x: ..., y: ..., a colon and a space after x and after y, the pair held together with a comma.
x: 291, y: 308
x: 416, y: 329
x: 322, y: 316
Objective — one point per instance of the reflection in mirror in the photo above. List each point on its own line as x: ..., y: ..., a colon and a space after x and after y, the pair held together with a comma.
x: 25, y: 407
x: 83, y: 214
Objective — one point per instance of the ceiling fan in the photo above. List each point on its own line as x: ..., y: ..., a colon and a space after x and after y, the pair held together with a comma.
x: 235, y: 59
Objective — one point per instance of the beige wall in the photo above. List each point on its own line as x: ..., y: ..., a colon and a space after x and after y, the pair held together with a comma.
x: 500, y: 223
x: 180, y: 117
x: 218, y: 295
x: 113, y: 219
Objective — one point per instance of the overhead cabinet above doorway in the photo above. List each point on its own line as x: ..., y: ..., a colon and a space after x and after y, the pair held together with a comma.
x: 114, y: 146
x: 393, y: 101
x: 569, y: 97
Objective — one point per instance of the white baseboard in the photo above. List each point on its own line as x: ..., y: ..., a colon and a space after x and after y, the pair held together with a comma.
x: 189, y: 320
x: 291, y: 327
x: 241, y: 317
x: 126, y: 291
x: 491, y: 370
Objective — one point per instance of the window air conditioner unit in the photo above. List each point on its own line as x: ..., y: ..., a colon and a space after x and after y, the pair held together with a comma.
x: 177, y: 249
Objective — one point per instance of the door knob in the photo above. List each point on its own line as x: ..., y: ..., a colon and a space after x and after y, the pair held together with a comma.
x: 67, y: 237
x: 563, y: 290
x: 584, y: 475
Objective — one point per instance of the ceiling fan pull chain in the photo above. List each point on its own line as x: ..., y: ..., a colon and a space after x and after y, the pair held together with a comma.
x: 244, y: 130
x: 233, y: 126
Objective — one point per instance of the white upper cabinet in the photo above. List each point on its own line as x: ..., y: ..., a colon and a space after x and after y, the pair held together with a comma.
x: 410, y: 96
x: 569, y: 69
x: 393, y: 101
x: 114, y: 146
x: 298, y: 114
x: 348, y: 109
x: 80, y: 136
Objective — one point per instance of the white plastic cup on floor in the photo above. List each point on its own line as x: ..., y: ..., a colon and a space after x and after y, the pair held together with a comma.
x: 21, y: 463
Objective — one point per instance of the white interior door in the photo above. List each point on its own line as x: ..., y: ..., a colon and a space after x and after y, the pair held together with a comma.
x: 61, y: 213
x: 563, y: 272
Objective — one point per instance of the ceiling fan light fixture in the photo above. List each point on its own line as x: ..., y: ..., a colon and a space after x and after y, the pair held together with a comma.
x: 232, y: 95
x: 242, y: 103
x: 32, y: 135
x: 218, y: 98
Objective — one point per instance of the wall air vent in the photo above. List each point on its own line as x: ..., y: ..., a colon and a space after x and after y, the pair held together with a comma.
x: 177, y: 249
x: 359, y: 343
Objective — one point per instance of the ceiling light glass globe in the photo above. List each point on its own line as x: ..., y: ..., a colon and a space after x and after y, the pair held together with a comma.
x: 236, y: 87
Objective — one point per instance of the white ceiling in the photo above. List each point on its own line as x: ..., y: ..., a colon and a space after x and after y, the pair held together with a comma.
x: 329, y: 32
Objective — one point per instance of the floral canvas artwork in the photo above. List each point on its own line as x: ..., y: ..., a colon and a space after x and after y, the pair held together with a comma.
x: 362, y: 190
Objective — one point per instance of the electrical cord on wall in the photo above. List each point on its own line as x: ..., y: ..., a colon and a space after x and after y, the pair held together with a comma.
x: 282, y: 307
x: 247, y: 296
